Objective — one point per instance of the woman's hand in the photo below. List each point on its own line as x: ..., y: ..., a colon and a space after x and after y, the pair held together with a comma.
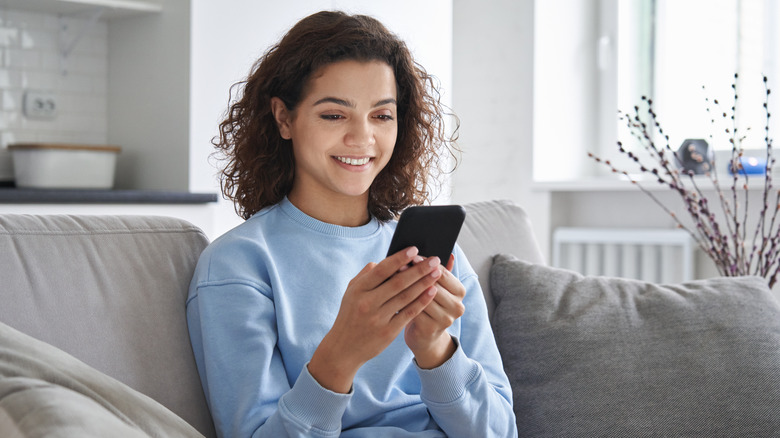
x: 426, y: 334
x: 379, y: 302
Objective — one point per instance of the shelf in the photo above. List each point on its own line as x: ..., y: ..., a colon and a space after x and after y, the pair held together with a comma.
x: 46, y: 196
x: 113, y: 8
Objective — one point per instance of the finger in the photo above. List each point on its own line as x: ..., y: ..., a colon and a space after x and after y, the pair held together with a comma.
x: 360, y: 276
x: 426, y: 321
x: 389, y: 266
x: 451, y: 283
x: 414, y: 308
x: 406, y: 286
x: 417, y: 259
x: 448, y: 303
x: 451, y: 262
x: 444, y: 309
x: 444, y: 302
x: 368, y: 267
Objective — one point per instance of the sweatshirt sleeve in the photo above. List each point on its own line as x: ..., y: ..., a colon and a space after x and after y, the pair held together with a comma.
x: 233, y: 334
x: 470, y: 395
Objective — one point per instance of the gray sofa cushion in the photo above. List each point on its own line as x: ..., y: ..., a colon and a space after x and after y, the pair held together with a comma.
x: 109, y: 290
x: 597, y: 356
x: 45, y: 392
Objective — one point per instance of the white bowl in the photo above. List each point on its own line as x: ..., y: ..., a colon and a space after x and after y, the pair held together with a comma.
x: 64, y: 166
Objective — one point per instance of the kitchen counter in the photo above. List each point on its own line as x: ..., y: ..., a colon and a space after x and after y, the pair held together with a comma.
x: 10, y: 195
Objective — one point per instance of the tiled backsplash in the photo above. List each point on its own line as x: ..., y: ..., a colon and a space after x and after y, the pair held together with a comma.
x: 31, y: 59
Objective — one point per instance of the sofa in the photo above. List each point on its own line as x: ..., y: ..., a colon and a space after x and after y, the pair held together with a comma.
x: 93, y: 336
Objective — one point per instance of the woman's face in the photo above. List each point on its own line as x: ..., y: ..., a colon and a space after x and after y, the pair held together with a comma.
x: 343, y: 131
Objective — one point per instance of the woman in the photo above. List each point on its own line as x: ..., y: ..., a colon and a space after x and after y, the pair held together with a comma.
x: 299, y: 323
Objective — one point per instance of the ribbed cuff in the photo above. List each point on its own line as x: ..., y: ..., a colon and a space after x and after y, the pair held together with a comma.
x: 314, y: 406
x: 448, y: 382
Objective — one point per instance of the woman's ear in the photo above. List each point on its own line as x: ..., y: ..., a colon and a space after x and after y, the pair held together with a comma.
x: 282, y: 116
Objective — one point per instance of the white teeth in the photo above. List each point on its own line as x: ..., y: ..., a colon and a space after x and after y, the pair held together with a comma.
x: 354, y: 161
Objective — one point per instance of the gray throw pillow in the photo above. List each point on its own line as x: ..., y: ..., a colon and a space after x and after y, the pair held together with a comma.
x: 598, y: 356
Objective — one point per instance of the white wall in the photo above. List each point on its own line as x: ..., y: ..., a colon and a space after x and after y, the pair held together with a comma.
x: 493, y: 91
x: 229, y: 35
x: 148, y: 100
x: 566, y: 92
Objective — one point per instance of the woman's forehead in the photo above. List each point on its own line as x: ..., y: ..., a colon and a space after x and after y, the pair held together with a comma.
x: 351, y: 80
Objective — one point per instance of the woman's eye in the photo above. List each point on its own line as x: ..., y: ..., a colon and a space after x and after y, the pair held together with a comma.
x: 384, y: 117
x: 331, y: 116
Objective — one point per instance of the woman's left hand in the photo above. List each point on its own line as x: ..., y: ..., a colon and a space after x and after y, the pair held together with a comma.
x: 426, y: 335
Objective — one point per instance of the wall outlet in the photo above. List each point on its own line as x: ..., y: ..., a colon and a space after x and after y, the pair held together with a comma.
x: 40, y: 105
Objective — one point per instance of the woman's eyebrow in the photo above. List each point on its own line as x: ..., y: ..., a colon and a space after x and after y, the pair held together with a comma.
x: 349, y: 104
x: 385, y: 102
x: 335, y: 100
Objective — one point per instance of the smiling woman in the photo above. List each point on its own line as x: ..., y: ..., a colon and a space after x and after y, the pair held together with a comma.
x: 340, y: 143
x: 416, y: 161
x: 301, y: 323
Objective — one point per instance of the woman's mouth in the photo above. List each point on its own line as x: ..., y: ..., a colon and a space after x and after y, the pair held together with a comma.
x: 354, y: 161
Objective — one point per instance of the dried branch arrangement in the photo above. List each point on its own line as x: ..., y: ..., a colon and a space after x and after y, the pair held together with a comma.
x: 734, y: 248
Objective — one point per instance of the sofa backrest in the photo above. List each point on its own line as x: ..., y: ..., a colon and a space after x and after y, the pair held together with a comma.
x: 109, y: 290
x: 496, y: 227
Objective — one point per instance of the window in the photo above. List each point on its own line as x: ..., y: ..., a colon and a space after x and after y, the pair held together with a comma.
x: 606, y: 54
x: 678, y: 47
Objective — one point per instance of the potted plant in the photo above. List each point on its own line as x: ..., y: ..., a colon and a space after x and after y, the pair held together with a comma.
x: 720, y: 226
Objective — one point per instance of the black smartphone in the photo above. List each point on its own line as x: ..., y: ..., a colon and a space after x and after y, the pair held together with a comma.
x: 432, y: 229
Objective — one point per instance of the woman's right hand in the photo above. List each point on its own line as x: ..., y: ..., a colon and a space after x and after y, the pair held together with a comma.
x: 378, y: 303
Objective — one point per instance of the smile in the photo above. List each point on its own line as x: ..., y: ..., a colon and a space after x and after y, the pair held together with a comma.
x: 354, y: 161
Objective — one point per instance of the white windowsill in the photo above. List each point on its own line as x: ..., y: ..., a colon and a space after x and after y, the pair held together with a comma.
x: 620, y: 184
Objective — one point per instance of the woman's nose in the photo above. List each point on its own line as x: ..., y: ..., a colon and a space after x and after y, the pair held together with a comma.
x: 360, y: 134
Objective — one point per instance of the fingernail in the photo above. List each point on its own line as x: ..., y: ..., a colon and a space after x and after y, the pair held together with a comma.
x: 411, y: 252
x: 418, y: 259
x: 433, y: 262
x: 436, y: 273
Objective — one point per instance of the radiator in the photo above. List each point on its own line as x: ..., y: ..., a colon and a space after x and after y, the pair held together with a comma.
x: 657, y: 255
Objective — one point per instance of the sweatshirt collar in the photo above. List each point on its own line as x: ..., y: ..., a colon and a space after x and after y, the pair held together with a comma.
x: 307, y: 221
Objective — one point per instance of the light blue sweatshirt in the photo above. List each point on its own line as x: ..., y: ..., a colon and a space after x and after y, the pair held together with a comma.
x: 265, y: 294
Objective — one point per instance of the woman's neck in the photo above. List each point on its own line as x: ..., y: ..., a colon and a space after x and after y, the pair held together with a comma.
x: 345, y: 211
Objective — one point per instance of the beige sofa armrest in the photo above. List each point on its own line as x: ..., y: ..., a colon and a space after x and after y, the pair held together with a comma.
x: 110, y: 291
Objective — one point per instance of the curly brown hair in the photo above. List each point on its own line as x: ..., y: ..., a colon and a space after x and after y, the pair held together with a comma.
x: 260, y: 165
